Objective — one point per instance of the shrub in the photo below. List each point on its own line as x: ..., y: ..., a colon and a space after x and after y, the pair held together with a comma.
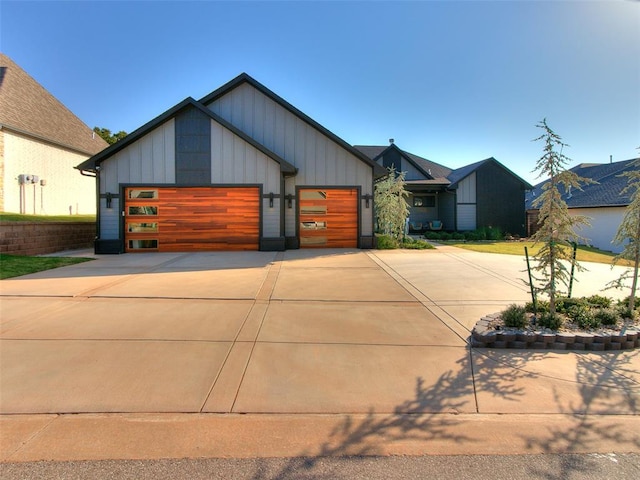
x: 625, y: 313
x: 543, y: 306
x: 417, y: 245
x: 564, y: 304
x: 386, y: 242
x: 445, y: 236
x: 514, y: 316
x: 457, y: 236
x: 550, y: 320
x: 472, y: 236
x: 607, y: 316
x: 429, y: 235
x: 583, y: 316
x: 599, y: 300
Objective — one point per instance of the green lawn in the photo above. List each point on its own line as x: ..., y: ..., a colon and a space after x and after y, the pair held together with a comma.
x: 584, y: 254
x: 16, y: 265
x: 17, y: 217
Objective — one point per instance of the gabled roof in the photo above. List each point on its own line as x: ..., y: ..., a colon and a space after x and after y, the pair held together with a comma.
x: 606, y: 193
x: 431, y: 170
x: 27, y: 108
x: 93, y: 162
x: 460, y: 174
x: 245, y: 78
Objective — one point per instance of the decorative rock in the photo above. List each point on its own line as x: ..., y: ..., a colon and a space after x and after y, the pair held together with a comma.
x: 628, y: 345
x: 577, y: 346
x: 518, y: 344
x: 558, y: 346
x: 539, y: 345
x: 499, y: 344
x: 612, y: 346
x: 595, y: 347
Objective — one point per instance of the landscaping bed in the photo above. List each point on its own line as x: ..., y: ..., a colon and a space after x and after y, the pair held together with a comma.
x: 591, y: 324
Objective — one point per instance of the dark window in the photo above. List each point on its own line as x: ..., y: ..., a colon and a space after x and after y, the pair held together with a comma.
x: 425, y: 201
x: 141, y: 244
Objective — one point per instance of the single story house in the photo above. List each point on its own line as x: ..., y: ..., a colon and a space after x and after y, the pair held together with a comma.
x: 601, y: 202
x: 40, y: 143
x: 483, y: 194
x: 241, y: 168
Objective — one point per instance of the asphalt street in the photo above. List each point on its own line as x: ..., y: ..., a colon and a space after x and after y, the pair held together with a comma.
x: 477, y: 467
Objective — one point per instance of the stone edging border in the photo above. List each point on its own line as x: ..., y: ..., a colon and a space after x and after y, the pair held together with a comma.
x: 483, y: 337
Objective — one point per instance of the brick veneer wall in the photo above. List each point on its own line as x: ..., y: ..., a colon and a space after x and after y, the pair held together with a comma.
x: 28, y: 238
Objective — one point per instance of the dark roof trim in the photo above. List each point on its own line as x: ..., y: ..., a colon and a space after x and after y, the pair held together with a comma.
x: 378, y: 170
x: 404, y: 155
x: 469, y: 169
x: 93, y: 162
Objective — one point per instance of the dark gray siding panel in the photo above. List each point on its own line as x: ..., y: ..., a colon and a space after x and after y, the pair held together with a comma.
x: 193, y: 148
x: 447, y: 209
x: 500, y: 200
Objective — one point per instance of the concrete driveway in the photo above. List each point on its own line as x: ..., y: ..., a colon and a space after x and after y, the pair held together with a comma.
x: 370, y: 334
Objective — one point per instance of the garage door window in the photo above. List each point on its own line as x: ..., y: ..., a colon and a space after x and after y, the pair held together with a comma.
x: 143, y: 210
x: 146, y: 194
x: 143, y: 244
x: 142, y: 227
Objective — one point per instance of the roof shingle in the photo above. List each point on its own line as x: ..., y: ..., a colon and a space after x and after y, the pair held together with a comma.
x: 28, y: 108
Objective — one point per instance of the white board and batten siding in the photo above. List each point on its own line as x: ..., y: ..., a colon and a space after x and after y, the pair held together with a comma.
x: 320, y: 161
x: 151, y: 159
x: 234, y: 161
x: 466, y: 203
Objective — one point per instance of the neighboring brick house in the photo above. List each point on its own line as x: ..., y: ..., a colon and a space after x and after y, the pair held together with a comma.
x: 40, y: 143
x: 600, y: 202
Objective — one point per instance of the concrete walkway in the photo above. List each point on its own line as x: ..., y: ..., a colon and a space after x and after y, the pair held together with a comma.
x: 306, y: 352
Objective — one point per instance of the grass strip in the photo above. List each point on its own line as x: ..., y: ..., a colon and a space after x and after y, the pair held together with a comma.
x: 17, y: 265
x: 584, y: 253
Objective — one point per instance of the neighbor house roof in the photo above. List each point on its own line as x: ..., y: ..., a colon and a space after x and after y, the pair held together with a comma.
x: 27, y: 108
x: 91, y: 163
x: 605, y: 193
x: 243, y: 78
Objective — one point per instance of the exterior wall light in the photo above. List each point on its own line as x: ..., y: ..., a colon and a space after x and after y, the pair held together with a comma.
x: 109, y: 198
x: 271, y: 200
x: 367, y: 198
x: 289, y: 198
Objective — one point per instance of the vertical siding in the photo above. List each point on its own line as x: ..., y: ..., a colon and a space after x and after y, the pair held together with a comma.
x: 270, y: 218
x: 234, y: 161
x: 109, y: 219
x: 319, y: 160
x: 467, y: 189
x: 500, y: 199
x: 151, y: 159
x: 466, y: 217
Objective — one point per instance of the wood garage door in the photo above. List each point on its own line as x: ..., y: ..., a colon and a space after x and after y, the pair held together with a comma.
x: 185, y: 219
x: 328, y: 218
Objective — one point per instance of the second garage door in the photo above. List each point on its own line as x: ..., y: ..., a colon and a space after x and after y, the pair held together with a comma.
x: 184, y: 219
x: 328, y: 218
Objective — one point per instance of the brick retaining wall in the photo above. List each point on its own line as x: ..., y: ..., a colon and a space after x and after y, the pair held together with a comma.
x: 29, y: 238
x: 483, y: 336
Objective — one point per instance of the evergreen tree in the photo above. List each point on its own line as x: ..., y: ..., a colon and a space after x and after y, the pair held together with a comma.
x: 628, y: 234
x: 392, y: 209
x: 557, y: 229
x: 109, y: 137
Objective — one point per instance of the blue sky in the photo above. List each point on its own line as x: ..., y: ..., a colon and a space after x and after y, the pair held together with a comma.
x: 455, y: 82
